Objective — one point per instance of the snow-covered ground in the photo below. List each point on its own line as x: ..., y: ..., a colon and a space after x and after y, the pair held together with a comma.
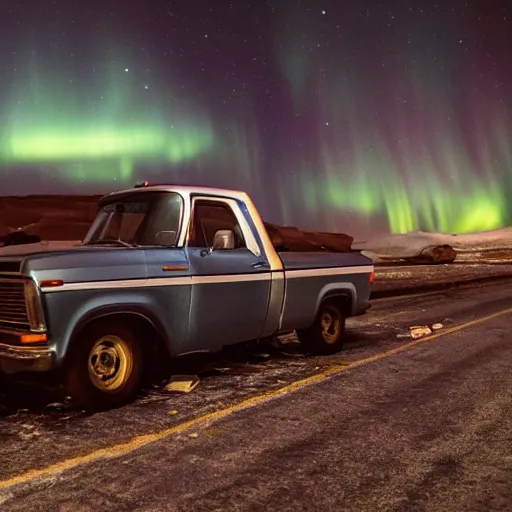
x: 411, y: 244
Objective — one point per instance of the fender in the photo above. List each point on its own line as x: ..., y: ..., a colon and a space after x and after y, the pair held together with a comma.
x: 116, y: 309
x: 337, y: 290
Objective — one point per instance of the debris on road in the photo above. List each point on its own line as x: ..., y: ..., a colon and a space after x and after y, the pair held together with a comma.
x: 194, y: 435
x: 183, y: 383
x: 260, y: 357
x: 55, y: 405
x: 417, y: 331
x: 29, y: 435
x: 289, y: 354
x: 173, y: 412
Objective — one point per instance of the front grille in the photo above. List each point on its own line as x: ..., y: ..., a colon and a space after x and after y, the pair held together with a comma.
x: 13, y: 308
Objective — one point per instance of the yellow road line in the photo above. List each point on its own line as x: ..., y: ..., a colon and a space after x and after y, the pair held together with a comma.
x: 147, y: 439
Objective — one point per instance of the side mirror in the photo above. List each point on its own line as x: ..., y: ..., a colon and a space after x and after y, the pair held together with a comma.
x: 224, y: 239
x: 166, y: 238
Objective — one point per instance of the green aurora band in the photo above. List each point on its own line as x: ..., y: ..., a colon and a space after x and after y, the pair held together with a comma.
x: 395, y: 157
x: 427, y: 179
x: 102, y: 136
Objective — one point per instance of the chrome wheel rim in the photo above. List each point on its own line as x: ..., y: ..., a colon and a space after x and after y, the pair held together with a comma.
x: 331, y: 327
x: 110, y: 363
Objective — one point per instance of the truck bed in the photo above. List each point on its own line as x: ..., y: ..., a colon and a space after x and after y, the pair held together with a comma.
x: 310, y: 276
x: 316, y: 260
x: 291, y: 239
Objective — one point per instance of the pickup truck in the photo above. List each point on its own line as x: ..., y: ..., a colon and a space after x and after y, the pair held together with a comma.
x: 176, y: 269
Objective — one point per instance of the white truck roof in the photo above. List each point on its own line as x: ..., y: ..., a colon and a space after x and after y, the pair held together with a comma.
x: 186, y: 190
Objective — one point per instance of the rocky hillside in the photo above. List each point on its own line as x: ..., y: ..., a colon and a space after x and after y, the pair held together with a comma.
x: 49, y: 217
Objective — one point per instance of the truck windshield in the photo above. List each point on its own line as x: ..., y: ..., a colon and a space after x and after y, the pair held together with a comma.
x: 142, y: 219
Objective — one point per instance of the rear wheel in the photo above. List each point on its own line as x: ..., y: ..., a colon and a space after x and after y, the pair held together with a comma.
x: 327, y: 334
x: 104, y: 368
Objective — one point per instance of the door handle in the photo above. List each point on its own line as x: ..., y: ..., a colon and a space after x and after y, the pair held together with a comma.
x: 260, y: 264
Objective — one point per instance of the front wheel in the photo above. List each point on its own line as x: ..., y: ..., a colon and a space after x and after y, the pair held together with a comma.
x: 327, y: 334
x: 104, y: 368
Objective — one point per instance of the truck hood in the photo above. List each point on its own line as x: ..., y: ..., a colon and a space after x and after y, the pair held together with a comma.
x: 72, y: 262
x: 17, y: 251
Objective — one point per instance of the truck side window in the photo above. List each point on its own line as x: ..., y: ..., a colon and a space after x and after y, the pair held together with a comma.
x: 163, y: 216
x: 210, y: 217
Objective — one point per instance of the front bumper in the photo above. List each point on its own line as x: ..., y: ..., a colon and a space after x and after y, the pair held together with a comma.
x: 14, y: 359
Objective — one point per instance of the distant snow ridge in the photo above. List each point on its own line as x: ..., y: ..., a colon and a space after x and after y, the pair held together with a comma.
x: 408, y: 245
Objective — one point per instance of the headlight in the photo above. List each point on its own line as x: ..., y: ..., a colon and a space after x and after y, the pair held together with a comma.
x: 34, y: 307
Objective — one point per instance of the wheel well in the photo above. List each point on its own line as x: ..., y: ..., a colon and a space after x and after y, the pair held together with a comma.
x: 342, y: 300
x: 143, y: 328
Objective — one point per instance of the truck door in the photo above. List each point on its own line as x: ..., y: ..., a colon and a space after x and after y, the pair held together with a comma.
x: 230, y: 281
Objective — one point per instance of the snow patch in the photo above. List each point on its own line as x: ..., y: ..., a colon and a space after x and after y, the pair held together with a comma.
x: 408, y: 245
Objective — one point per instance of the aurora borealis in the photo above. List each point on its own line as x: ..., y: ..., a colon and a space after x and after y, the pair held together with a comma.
x: 351, y: 116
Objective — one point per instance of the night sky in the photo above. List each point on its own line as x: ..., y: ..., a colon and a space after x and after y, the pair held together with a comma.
x: 335, y: 115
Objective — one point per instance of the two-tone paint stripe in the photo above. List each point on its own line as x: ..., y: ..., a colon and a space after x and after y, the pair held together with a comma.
x: 209, y: 279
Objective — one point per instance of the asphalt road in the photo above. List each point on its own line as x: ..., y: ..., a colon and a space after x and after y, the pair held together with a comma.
x: 412, y: 427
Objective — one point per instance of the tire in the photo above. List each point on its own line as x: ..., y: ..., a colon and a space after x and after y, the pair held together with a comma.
x: 327, y: 334
x: 96, y: 386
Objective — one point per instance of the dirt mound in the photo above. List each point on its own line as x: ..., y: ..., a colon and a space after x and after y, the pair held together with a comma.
x: 49, y: 217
